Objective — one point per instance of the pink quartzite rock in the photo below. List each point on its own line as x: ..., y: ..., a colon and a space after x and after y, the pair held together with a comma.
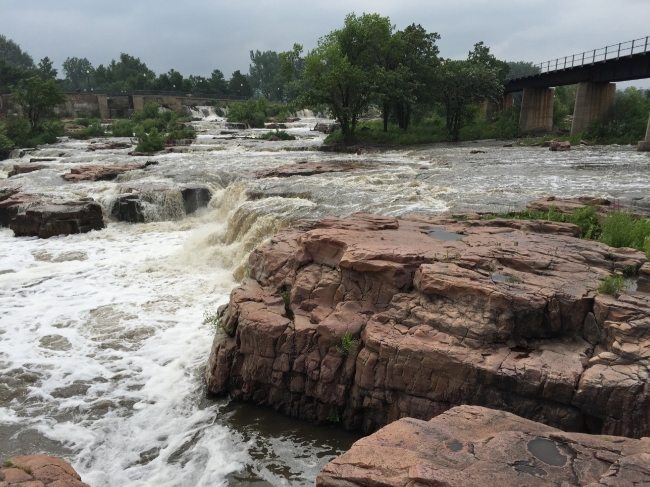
x: 556, y: 145
x: 49, y: 220
x: 445, y: 312
x: 25, y: 168
x: 39, y: 471
x: 100, y: 173
x: 471, y: 446
x: 304, y: 169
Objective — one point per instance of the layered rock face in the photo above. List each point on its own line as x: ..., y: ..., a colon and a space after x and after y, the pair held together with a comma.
x: 474, y: 446
x: 101, y: 173
x: 367, y: 319
x: 39, y: 471
x: 49, y: 220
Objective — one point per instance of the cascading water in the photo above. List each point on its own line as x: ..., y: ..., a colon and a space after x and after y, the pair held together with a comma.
x: 102, y: 341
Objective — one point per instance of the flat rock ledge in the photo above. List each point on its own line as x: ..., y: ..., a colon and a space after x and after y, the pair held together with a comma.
x: 365, y: 320
x: 304, y: 169
x: 99, y: 172
x: 39, y: 471
x: 472, y: 446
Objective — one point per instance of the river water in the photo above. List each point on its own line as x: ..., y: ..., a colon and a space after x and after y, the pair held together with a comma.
x: 102, y: 345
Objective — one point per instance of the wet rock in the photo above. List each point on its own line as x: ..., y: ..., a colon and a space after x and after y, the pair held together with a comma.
x: 195, y: 196
x: 25, y: 168
x: 568, y: 205
x: 327, y: 128
x: 304, y: 169
x: 39, y: 471
x: 556, y: 145
x: 128, y: 208
x: 11, y: 202
x: 276, y: 126
x: 273, y: 138
x: 17, y: 154
x: 370, y: 319
x: 108, y: 146
x: 478, y: 151
x: 100, y: 172
x: 478, y: 447
x: 49, y: 220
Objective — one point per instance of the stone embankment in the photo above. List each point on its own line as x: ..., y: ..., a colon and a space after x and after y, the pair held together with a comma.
x: 39, y: 471
x: 472, y: 446
x: 368, y: 319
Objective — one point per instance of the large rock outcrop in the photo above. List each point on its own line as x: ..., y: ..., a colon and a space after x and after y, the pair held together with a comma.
x: 49, y: 220
x: 472, y: 446
x: 367, y: 319
x: 99, y: 172
x: 39, y: 471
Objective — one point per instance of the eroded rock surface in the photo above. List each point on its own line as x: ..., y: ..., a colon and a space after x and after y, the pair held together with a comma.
x: 474, y: 446
x: 49, y: 220
x: 99, y: 172
x: 25, y: 168
x: 440, y: 313
x: 304, y: 169
x: 39, y: 471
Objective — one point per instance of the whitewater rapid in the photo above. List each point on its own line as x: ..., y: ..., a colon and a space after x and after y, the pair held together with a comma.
x: 102, y: 341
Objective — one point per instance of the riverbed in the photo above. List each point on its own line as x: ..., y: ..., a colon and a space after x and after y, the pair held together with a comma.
x: 102, y: 340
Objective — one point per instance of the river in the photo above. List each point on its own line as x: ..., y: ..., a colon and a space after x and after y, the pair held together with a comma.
x: 102, y: 341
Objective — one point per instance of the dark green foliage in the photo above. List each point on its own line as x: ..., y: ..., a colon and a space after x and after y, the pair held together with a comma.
x: 264, y: 74
x: 77, y: 72
x: 93, y: 130
x: 12, y: 54
x: 506, y: 122
x: 18, y: 130
x: 129, y: 73
x: 10, y: 77
x: 37, y: 100
x: 6, y: 144
x: 239, y: 85
x: 519, y: 69
x: 627, y: 121
x: 623, y: 229
x: 181, y: 133
x: 348, y: 344
x: 250, y: 112
x: 123, y: 128
x: 280, y: 134
x: 611, y: 285
x: 85, y: 121
x: 566, y: 95
x: 149, y: 142
x: 46, y: 70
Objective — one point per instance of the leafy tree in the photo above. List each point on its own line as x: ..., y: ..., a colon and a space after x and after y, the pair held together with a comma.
x: 45, y: 69
x: 291, y: 69
x: 566, y: 96
x: 129, y: 73
x: 37, y: 100
x: 12, y: 54
x: 460, y: 84
x: 250, y: 112
x: 264, y: 74
x: 218, y: 83
x: 481, y: 56
x: 6, y: 144
x: 149, y: 142
x: 519, y: 69
x: 77, y: 71
x: 10, y: 76
x: 239, y: 85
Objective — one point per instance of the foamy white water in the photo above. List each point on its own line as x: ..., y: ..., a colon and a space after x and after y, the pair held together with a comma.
x: 102, y: 345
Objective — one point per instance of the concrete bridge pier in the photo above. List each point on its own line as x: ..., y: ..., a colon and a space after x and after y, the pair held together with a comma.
x: 536, y: 110
x: 102, y: 102
x: 593, y: 100
x: 491, y: 109
x: 644, y: 145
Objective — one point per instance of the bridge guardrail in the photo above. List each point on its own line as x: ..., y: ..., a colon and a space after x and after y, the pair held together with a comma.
x: 161, y: 93
x: 615, y: 51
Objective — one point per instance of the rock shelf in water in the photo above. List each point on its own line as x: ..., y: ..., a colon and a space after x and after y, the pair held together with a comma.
x: 369, y: 319
x: 39, y: 471
x: 472, y: 446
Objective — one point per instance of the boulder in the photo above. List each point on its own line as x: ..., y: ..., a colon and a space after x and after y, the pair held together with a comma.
x: 11, y: 202
x: 370, y: 319
x: 195, y: 196
x: 39, y: 471
x: 276, y: 126
x: 556, y: 145
x: 108, y: 146
x: 304, y: 168
x: 473, y: 446
x: 25, y: 168
x: 49, y: 220
x: 100, y: 172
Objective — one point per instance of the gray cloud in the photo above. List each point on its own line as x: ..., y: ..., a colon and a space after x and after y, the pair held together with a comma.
x: 195, y: 37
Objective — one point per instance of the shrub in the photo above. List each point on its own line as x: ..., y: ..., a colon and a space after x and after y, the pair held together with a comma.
x: 181, y: 133
x: 122, y: 128
x: 148, y: 142
x: 611, y: 285
x: 86, y: 122
x: 646, y: 247
x: 280, y: 134
x: 6, y: 144
x: 347, y: 343
x: 250, y: 112
x: 18, y: 130
x: 93, y: 130
x: 623, y: 229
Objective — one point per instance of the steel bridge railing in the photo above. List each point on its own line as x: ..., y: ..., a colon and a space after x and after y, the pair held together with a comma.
x: 615, y: 51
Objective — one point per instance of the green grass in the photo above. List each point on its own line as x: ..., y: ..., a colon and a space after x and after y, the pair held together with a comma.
x: 348, y: 343
x: 611, y: 285
x: 623, y: 229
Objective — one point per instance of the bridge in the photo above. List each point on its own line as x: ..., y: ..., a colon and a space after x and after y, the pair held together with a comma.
x: 595, y: 72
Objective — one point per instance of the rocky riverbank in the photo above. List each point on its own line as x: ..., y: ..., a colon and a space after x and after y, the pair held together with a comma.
x: 39, y: 471
x: 369, y: 319
x: 474, y: 446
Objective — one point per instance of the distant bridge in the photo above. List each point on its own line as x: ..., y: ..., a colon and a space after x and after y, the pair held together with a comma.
x: 595, y: 72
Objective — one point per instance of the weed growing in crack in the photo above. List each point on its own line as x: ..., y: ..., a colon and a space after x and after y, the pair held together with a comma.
x: 348, y: 343
x: 611, y: 285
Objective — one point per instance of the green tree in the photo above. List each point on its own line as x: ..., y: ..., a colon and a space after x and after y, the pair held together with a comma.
x: 239, y: 85
x: 12, y: 54
x: 10, y: 76
x: 129, y: 73
x: 77, y: 71
x: 218, y: 83
x: 461, y: 84
x: 519, y: 69
x: 291, y: 69
x: 37, y: 100
x: 264, y: 74
x: 46, y: 70
x: 481, y: 56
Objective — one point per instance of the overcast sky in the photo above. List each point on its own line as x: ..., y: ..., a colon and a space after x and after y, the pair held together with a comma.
x: 195, y: 37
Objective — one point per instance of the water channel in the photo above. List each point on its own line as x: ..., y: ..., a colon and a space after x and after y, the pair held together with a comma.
x: 102, y: 345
